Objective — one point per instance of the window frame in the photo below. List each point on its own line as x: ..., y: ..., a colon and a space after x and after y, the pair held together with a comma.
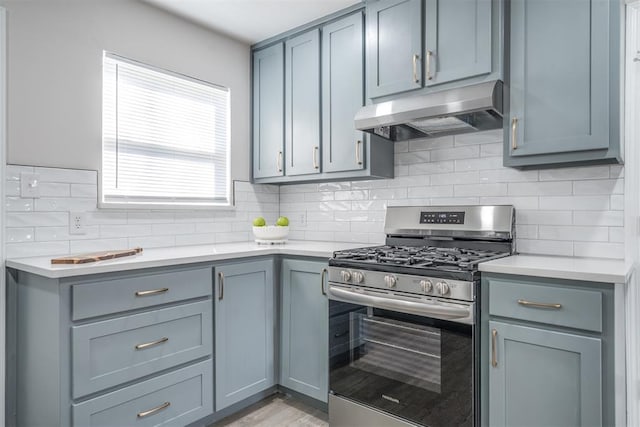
x: 165, y: 206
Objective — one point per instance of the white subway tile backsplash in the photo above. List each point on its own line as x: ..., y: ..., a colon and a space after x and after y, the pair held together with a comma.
x: 569, y: 211
x: 599, y: 218
x: 51, y: 234
x: 540, y: 188
x: 37, y: 219
x: 575, y: 173
x: 464, y: 152
x: 583, y: 203
x: 600, y: 250
x: 575, y: 233
x: 20, y: 234
x: 17, y: 204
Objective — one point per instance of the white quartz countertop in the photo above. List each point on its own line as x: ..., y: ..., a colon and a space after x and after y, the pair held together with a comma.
x: 159, y: 257
x: 558, y: 267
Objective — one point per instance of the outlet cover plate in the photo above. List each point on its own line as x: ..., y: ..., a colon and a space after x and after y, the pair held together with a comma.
x: 77, y: 223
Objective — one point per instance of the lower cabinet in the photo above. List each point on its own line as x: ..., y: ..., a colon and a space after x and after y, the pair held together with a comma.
x: 549, y: 348
x: 244, y: 330
x: 304, y: 329
x: 544, y: 378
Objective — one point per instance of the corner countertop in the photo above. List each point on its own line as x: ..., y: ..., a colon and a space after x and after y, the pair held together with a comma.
x: 159, y: 257
x: 558, y: 267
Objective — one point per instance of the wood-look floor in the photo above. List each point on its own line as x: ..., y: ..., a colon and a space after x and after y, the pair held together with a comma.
x: 276, y: 411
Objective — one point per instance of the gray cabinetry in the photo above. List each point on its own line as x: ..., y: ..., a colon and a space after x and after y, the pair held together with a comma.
x: 548, y: 351
x: 394, y: 46
x: 304, y: 329
x: 268, y: 112
x: 110, y: 349
x: 432, y: 44
x: 564, y: 82
x: 323, y: 75
x: 343, y: 147
x: 302, y: 104
x: 544, y: 378
x: 244, y: 330
x: 457, y: 40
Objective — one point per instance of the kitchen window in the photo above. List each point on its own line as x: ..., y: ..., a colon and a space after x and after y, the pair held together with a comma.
x: 165, y: 138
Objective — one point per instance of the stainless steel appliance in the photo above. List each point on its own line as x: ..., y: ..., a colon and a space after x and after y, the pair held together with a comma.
x: 402, y: 318
x: 448, y: 112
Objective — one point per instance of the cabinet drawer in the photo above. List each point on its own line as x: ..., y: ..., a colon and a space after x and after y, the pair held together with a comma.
x: 177, y: 398
x: 111, y: 352
x: 114, y: 295
x: 574, y: 308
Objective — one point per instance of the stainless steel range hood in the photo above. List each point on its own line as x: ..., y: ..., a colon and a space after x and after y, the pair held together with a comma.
x: 448, y: 112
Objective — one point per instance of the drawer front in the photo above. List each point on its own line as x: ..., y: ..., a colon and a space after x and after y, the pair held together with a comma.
x: 114, y: 351
x: 121, y: 294
x: 178, y: 398
x: 574, y: 308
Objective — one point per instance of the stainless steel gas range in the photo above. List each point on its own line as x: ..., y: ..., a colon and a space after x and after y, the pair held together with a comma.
x: 402, y: 318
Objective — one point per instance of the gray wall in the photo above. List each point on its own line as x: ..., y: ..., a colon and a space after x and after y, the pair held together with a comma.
x: 55, y: 74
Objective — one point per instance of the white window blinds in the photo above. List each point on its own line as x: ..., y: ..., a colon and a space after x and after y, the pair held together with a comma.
x: 165, y: 138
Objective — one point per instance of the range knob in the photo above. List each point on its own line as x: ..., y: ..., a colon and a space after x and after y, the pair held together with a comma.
x: 358, y: 277
x: 346, y: 275
x: 426, y: 286
x: 442, y: 288
x: 390, y: 281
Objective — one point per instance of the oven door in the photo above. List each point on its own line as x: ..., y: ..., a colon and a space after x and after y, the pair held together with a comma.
x: 389, y: 359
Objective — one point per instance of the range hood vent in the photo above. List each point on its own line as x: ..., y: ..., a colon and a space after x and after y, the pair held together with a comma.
x: 466, y: 109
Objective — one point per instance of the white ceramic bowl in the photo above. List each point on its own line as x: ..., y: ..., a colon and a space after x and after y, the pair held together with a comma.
x: 271, y: 232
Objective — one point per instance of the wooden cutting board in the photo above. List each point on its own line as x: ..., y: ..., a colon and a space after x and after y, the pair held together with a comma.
x: 96, y: 256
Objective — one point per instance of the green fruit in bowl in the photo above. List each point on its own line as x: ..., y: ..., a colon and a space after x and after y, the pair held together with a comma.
x: 283, y: 221
x: 259, y: 222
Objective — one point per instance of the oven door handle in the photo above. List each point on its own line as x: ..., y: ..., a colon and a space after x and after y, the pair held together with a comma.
x: 461, y: 313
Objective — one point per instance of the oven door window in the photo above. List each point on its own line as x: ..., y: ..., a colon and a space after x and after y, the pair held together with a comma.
x: 413, y: 367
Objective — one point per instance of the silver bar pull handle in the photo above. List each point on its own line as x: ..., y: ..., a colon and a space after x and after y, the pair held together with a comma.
x: 315, y: 157
x: 151, y: 344
x: 494, y: 344
x: 358, y: 149
x: 322, y: 277
x: 279, y: 161
x: 151, y: 292
x: 539, y: 304
x: 429, y: 55
x: 155, y: 410
x: 220, y: 285
x: 416, y: 57
x: 514, y: 133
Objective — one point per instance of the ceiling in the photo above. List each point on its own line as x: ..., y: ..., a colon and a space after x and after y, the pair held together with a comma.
x: 252, y: 20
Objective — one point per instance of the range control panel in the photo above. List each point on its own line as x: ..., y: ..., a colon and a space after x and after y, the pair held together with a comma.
x: 441, y: 217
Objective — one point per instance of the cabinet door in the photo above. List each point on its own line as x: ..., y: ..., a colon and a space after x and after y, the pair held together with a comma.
x: 268, y: 112
x: 543, y: 378
x: 394, y: 46
x: 559, y: 88
x: 457, y: 40
x: 302, y: 104
x: 244, y: 351
x: 304, y: 358
x: 342, y: 94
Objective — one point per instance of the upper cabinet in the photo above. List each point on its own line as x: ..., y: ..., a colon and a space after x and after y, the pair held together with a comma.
x: 457, y: 40
x: 312, y: 101
x: 268, y: 112
x: 564, y: 82
x: 394, y: 46
x: 342, y: 94
x: 460, y: 43
x: 302, y: 104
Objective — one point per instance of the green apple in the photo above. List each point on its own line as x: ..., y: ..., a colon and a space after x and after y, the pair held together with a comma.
x: 259, y: 222
x: 283, y: 221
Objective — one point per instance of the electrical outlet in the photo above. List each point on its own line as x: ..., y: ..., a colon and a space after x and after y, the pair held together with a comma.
x: 77, y: 223
x: 29, y: 185
x: 302, y: 219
